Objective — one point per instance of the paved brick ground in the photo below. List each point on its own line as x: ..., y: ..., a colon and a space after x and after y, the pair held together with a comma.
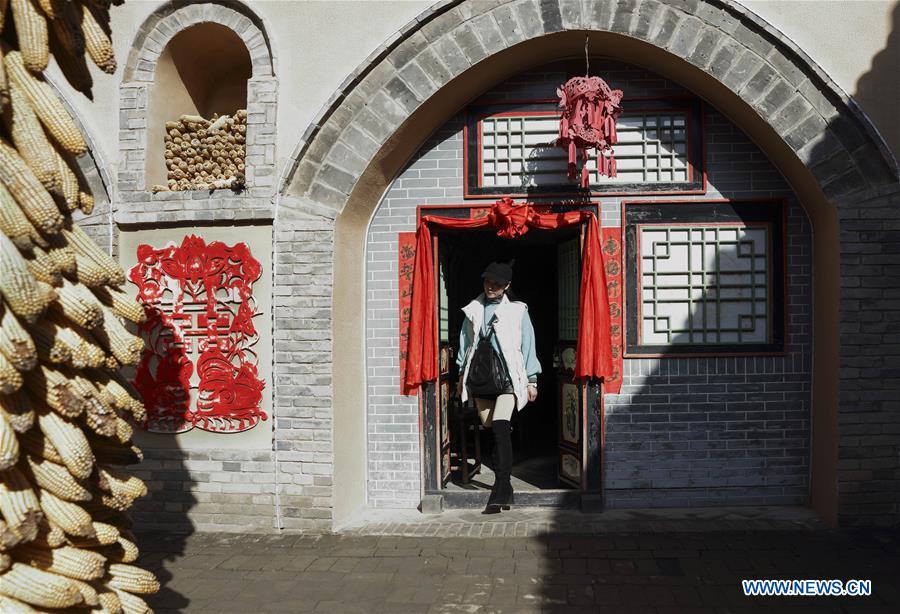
x: 656, y: 573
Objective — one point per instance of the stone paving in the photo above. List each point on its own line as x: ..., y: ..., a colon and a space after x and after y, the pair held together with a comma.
x: 662, y: 571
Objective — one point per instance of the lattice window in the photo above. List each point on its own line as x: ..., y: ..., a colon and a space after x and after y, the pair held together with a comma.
x: 704, y: 284
x: 518, y: 151
x: 568, y: 267
x: 704, y: 277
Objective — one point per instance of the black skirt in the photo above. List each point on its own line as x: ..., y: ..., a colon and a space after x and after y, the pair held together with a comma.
x: 508, y: 389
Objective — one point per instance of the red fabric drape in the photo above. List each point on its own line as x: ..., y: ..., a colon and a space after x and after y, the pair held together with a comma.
x: 594, y: 350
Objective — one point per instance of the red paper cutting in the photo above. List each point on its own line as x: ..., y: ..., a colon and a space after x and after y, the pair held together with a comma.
x: 589, y: 112
x: 199, y: 302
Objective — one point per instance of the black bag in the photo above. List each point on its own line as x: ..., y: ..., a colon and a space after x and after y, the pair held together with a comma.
x: 488, y: 375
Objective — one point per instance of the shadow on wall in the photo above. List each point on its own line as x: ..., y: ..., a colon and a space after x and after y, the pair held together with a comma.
x: 865, y: 281
x: 878, y: 90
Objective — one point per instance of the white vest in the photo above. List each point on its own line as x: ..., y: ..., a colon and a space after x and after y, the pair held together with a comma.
x: 508, y: 328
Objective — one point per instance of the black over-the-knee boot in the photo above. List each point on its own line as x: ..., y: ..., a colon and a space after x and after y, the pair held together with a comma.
x: 502, y: 492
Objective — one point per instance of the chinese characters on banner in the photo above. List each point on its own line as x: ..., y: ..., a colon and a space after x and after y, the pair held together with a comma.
x: 198, y: 368
x: 407, y: 244
x: 611, y: 241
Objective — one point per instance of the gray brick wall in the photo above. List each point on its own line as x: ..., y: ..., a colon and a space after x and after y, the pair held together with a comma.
x: 869, y: 421
x: 699, y: 431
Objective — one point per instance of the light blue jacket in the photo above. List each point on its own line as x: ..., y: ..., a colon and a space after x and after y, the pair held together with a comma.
x: 532, y: 365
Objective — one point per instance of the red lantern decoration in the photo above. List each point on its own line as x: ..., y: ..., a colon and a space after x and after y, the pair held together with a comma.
x: 589, y: 113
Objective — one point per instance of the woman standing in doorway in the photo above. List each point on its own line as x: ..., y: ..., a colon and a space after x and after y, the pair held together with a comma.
x: 499, y: 369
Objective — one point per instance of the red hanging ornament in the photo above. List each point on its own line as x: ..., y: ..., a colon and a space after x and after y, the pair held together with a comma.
x: 589, y: 113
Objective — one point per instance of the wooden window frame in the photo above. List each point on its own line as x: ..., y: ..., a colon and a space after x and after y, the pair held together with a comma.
x: 695, y: 127
x: 777, y: 344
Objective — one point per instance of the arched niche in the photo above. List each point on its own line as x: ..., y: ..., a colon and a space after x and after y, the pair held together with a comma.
x: 203, y: 71
x: 200, y: 58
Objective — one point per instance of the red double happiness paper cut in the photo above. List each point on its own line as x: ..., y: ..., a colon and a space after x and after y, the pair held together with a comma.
x: 198, y: 368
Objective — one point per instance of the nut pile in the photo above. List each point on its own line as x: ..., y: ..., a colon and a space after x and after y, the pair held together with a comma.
x: 205, y: 154
x: 65, y: 540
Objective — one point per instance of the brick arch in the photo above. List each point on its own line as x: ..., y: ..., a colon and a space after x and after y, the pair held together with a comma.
x: 800, y: 103
x: 172, y: 18
x: 815, y: 135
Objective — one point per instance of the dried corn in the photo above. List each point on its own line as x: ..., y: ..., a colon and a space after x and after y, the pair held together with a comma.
x: 105, y: 533
x: 13, y: 222
x: 23, y: 293
x: 33, y: 198
x: 85, y: 202
x: 48, y: 8
x: 65, y: 561
x: 49, y: 535
x: 8, y: 538
x: 69, y: 441
x: 8, y: 605
x: 116, y: 339
x: 109, y: 601
x: 15, y: 342
x: 18, y: 504
x: 30, y: 140
x: 121, y: 304
x: 63, y: 254
x: 56, y: 390
x: 43, y: 267
x: 132, y: 579
x: 132, y: 604
x: 50, y: 346
x: 68, y: 182
x: 40, y: 588
x: 96, y: 41
x: 88, y: 593
x: 31, y: 29
x: 84, y: 245
x: 119, y: 483
x: 10, y: 378
x: 37, y: 445
x: 77, y: 304
x: 17, y: 410
x: 56, y: 479
x: 46, y: 105
x: 9, y: 445
x: 68, y: 516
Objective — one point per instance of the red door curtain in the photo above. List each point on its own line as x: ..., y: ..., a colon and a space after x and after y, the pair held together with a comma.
x: 594, y: 349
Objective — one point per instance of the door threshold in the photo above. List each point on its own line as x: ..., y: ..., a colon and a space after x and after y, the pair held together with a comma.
x: 477, y: 499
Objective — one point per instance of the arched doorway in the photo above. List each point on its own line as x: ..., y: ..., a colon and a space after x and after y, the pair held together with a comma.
x: 717, y: 52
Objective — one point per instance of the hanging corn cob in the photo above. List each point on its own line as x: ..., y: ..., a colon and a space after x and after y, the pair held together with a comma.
x: 15, y: 342
x: 33, y: 198
x: 46, y: 105
x: 31, y: 27
x: 62, y: 530
x: 13, y: 222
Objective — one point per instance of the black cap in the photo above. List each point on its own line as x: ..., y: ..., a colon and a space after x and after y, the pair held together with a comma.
x: 499, y: 272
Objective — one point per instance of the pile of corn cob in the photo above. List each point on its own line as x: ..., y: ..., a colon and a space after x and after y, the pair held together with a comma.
x: 64, y: 537
x: 205, y: 154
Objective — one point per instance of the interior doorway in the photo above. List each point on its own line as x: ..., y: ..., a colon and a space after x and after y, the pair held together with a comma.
x: 546, y: 277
